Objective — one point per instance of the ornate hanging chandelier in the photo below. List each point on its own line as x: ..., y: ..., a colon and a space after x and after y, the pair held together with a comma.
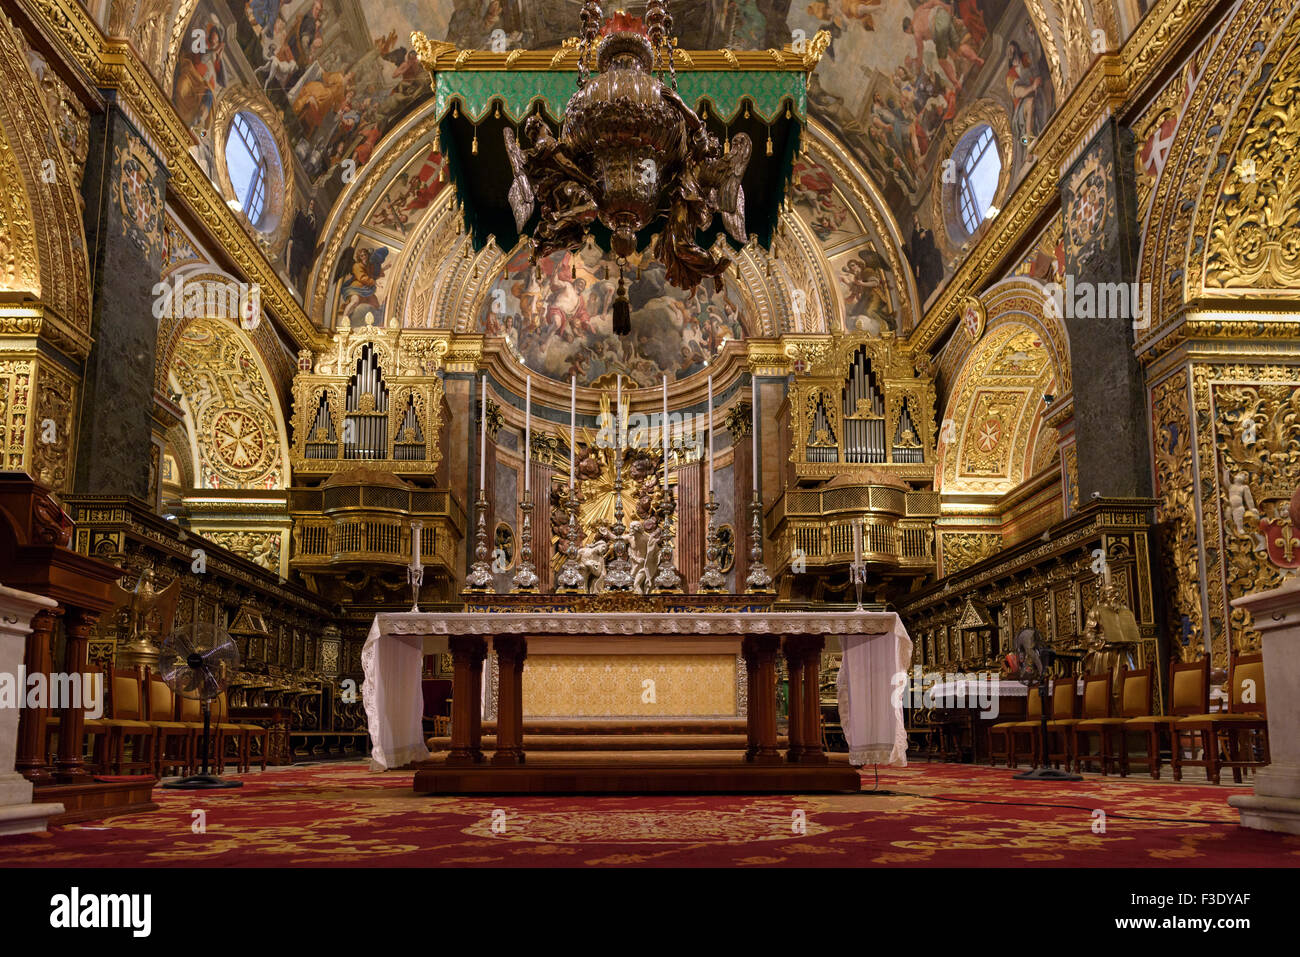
x: 631, y: 156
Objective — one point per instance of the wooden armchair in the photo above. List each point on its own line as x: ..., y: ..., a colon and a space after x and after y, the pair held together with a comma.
x: 256, y: 734
x: 1065, y: 715
x: 1189, y: 694
x: 177, y: 740
x: 224, y: 732
x: 1135, y: 702
x: 1245, y: 721
x: 191, y: 715
x: 1096, y: 707
x: 126, y: 721
x: 1008, y: 730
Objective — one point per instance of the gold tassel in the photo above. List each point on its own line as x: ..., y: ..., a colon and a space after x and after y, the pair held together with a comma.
x: 726, y: 147
x: 473, y: 147
x: 497, y: 113
x: 769, y: 141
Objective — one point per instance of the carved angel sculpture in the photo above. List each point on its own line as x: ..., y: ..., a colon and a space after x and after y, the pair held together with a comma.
x: 546, y: 174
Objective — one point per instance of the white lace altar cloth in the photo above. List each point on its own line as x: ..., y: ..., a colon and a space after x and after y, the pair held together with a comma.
x: 876, y: 648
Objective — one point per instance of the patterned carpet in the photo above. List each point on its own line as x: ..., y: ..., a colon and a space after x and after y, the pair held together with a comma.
x: 342, y: 814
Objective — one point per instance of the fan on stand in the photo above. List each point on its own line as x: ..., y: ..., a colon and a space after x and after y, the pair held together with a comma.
x: 198, y: 662
x: 1033, y: 665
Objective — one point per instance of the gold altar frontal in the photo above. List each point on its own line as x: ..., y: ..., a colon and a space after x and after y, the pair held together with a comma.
x: 690, y: 656
x: 626, y: 679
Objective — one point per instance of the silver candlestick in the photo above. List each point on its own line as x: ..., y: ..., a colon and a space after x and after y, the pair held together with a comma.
x: 415, y: 577
x: 571, y: 581
x: 479, y: 579
x: 415, y: 570
x: 759, y: 580
x: 858, y: 575
x: 525, y: 581
x: 712, y: 581
x: 667, y: 581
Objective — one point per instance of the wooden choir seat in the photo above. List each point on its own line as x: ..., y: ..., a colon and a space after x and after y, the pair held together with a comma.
x: 177, y: 740
x: 191, y: 714
x: 1189, y: 694
x: 1245, y: 722
x: 127, y: 723
x: 1008, y: 730
x: 1135, y: 702
x: 243, y: 735
x: 1065, y: 715
x: 1096, y: 707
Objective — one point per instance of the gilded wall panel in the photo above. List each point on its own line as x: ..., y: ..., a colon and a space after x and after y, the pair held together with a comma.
x: 1171, y: 429
x: 1248, y: 438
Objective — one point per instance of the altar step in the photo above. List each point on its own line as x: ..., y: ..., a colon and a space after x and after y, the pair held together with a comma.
x: 682, y: 735
x: 710, y: 772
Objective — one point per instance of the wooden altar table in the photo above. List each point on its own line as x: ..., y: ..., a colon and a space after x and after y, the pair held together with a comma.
x: 394, y: 651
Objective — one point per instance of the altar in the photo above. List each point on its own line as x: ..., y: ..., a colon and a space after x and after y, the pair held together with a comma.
x: 875, y: 649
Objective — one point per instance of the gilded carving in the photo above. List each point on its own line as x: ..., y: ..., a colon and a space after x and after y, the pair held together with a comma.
x: 1255, y: 240
x: 1175, y: 489
x: 1257, y: 435
x: 963, y: 549
x: 238, y: 434
x: 55, y: 419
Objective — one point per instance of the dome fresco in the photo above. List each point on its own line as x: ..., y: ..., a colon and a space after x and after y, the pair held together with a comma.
x: 340, y: 75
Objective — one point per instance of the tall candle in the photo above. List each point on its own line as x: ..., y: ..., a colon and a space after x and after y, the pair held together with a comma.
x: 664, y: 426
x: 857, y: 543
x: 754, y: 458
x: 528, y: 435
x: 415, y: 543
x: 482, y: 442
x: 618, y: 412
x: 710, y: 436
x: 573, y: 428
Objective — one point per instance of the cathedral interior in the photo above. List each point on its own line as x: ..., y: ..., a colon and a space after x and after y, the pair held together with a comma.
x: 976, y: 315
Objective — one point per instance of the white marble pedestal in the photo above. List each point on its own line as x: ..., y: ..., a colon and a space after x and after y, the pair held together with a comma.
x: 1275, y: 805
x: 18, y: 815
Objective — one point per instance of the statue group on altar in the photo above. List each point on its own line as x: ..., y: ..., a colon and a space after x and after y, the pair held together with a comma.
x: 644, y: 544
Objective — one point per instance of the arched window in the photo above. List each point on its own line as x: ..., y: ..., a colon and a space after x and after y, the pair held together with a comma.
x: 979, y: 165
x: 248, y: 165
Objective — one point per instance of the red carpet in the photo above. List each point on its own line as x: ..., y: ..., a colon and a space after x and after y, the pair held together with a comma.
x: 344, y: 815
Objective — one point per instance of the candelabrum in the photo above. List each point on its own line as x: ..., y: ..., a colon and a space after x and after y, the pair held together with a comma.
x: 667, y: 581
x: 711, y: 580
x: 525, y: 581
x: 479, y: 578
x: 759, y: 580
x: 618, y: 571
x: 571, y: 581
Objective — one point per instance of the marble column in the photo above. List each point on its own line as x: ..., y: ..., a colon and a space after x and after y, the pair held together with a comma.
x: 18, y: 815
x: 742, y: 487
x: 541, y: 479
x: 1275, y: 805
x: 691, y: 493
x: 1110, y: 421
x: 124, y: 188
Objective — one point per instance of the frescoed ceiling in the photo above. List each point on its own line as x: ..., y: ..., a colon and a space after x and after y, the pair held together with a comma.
x: 340, y: 79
